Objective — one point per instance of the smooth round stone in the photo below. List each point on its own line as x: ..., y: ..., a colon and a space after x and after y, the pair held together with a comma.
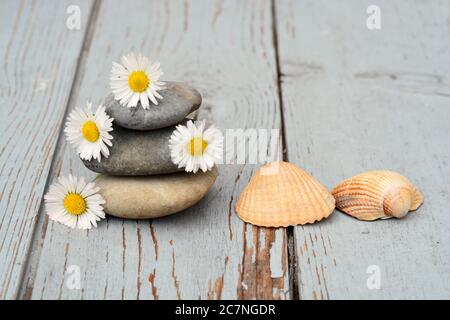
x: 137, y: 153
x: 178, y: 101
x: 153, y: 196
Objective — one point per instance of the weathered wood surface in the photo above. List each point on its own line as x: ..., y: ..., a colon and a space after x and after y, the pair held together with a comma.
x: 225, y: 49
x: 351, y: 99
x: 36, y: 78
x: 357, y: 100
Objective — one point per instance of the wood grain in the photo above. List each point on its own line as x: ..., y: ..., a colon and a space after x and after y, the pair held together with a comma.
x: 37, y: 74
x: 357, y: 100
x: 225, y: 49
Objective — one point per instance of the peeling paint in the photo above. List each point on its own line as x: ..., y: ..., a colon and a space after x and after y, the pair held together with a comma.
x: 151, y: 279
x: 256, y: 279
x: 276, y: 259
x: 154, y: 239
x: 174, y: 276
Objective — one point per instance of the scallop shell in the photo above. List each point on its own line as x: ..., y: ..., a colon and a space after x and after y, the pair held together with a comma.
x: 281, y: 194
x: 377, y: 195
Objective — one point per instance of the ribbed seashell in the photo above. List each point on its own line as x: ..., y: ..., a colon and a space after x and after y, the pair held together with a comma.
x: 377, y: 195
x: 281, y: 194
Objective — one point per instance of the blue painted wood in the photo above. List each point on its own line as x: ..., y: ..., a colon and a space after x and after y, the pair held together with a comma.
x: 358, y: 100
x: 38, y: 54
x: 353, y: 100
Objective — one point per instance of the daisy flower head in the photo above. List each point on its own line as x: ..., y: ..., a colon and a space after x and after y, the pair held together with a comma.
x: 136, y: 79
x: 89, y: 132
x: 193, y: 148
x: 74, y: 203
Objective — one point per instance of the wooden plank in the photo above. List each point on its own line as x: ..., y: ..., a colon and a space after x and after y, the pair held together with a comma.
x: 37, y: 74
x: 357, y: 100
x: 225, y: 49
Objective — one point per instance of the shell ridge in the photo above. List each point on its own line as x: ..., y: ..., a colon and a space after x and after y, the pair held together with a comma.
x: 307, y: 198
x: 295, y: 197
x: 376, y: 194
x: 314, y: 199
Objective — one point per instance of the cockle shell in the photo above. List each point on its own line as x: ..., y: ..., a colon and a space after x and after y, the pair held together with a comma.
x: 281, y: 194
x: 377, y: 195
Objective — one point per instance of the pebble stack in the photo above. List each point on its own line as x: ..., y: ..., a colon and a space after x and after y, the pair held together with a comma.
x: 139, y: 180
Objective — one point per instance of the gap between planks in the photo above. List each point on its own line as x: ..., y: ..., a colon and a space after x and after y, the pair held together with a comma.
x: 34, y: 251
x: 291, y: 252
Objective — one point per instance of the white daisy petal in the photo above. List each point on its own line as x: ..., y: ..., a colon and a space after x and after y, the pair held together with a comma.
x: 134, y: 100
x: 88, y: 132
x: 136, y: 80
x: 152, y: 98
x: 156, y: 94
x: 144, y: 100
x: 73, y: 203
x: 192, y: 147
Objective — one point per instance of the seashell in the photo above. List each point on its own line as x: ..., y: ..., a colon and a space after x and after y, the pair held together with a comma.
x: 377, y: 195
x: 281, y: 194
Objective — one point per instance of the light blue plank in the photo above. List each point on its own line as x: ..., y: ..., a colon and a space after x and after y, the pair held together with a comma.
x: 358, y: 100
x: 37, y: 72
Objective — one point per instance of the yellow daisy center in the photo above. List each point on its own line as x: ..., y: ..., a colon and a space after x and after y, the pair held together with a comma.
x: 90, y: 131
x: 197, y: 146
x: 138, y: 81
x: 74, y: 204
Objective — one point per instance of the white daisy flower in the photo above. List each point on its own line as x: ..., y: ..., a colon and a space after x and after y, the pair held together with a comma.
x: 193, y: 147
x: 89, y: 132
x: 136, y: 79
x: 74, y: 203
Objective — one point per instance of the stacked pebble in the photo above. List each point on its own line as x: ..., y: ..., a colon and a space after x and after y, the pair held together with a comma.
x: 139, y: 179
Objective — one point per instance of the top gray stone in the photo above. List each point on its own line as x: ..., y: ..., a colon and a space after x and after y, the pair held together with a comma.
x: 178, y: 101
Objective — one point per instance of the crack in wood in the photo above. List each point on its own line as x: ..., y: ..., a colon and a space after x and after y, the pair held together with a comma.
x: 174, y: 276
x: 154, y: 239
x: 151, y: 279
x: 230, y: 203
x: 138, y: 278
x: 215, y: 293
x: 217, y: 14
x: 291, y: 248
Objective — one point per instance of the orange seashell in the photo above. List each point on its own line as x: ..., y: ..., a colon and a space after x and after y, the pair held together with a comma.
x: 377, y: 195
x: 281, y: 194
